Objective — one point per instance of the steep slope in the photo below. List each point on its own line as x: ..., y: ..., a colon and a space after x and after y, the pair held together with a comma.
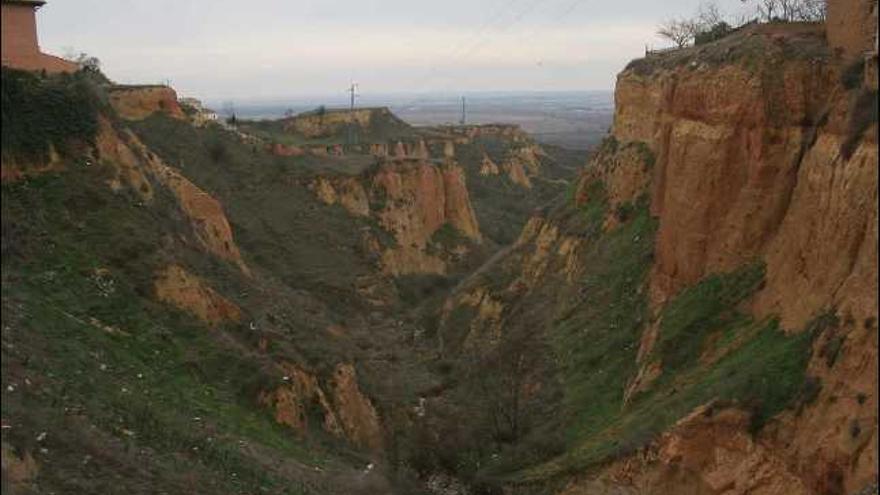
x: 213, y: 314
x: 149, y: 338
x: 700, y: 314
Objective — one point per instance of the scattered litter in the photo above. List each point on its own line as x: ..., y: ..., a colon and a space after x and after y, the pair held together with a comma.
x: 285, y: 378
x: 10, y: 388
x: 41, y: 436
x: 140, y: 375
x: 103, y: 367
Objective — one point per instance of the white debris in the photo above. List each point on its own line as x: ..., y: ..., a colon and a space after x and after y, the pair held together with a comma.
x: 41, y: 436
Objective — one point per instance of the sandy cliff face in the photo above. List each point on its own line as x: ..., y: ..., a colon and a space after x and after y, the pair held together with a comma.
x: 139, y: 102
x: 343, y: 409
x: 739, y: 159
x: 411, y: 199
x: 177, y: 287
x: 749, y: 167
x: 136, y: 166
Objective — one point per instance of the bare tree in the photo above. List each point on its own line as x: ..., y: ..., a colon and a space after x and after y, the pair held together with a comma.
x: 82, y: 59
x: 709, y: 15
x: 678, y: 31
x: 812, y: 10
x: 790, y: 10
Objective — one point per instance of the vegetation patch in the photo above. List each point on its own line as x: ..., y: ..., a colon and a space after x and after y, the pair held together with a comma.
x: 756, y: 366
x: 587, y: 220
x: 170, y: 393
x: 707, y: 307
x: 446, y: 238
x: 44, y: 113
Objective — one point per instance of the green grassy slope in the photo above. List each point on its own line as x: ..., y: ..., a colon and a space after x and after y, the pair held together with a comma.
x: 112, y: 392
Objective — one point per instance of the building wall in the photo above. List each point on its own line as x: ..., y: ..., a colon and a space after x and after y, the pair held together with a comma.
x: 19, y: 32
x: 851, y: 26
x: 20, y: 48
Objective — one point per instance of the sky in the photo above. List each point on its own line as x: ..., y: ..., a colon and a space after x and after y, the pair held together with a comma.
x: 251, y: 51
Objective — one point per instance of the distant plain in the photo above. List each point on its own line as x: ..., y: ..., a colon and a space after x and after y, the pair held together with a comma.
x: 575, y: 120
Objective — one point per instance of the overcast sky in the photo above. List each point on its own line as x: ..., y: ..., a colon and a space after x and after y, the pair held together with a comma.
x: 251, y: 50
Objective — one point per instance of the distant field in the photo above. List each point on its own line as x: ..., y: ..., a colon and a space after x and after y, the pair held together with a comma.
x: 576, y: 120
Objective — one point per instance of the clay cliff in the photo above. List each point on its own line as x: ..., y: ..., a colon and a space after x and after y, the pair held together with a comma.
x: 750, y: 168
x: 412, y: 200
x: 139, y: 102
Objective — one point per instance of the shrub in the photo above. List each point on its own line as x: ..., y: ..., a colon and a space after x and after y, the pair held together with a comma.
x: 714, y: 33
x: 44, y: 113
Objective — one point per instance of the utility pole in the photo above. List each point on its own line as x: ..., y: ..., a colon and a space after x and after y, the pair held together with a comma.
x: 463, y: 110
x: 351, y: 131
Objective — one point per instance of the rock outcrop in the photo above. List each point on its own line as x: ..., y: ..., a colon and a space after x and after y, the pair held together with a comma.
x: 344, y: 410
x: 743, y: 152
x: 749, y: 165
x: 411, y: 199
x: 331, y: 122
x: 174, y: 285
x: 136, y: 166
x: 139, y: 102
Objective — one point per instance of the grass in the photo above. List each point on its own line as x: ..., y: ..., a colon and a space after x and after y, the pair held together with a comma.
x: 597, y: 342
x: 119, y: 373
x: 275, y: 218
x: 756, y: 366
x: 447, y: 237
x: 146, y: 376
x: 594, y: 338
x: 586, y: 221
x: 701, y: 310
